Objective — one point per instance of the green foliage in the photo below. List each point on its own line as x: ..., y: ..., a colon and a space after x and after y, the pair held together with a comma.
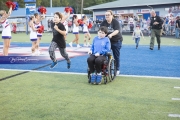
x: 76, y: 4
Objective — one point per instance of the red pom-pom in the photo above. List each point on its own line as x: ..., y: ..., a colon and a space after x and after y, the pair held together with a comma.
x: 10, y: 4
x: 68, y: 9
x: 80, y: 21
x: 41, y: 29
x: 42, y: 10
x: 90, y: 25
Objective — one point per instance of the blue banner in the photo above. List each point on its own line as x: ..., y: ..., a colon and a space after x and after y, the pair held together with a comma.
x: 30, y: 9
x: 24, y: 59
x: 29, y: 1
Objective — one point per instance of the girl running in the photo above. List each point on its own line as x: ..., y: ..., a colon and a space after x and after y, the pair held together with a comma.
x: 6, y: 32
x: 38, y: 19
x: 136, y: 35
x: 86, y: 32
x: 58, y: 41
x: 33, y: 35
x: 75, y: 31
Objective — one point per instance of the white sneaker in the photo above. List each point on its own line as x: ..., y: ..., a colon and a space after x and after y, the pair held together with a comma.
x: 85, y: 45
x: 33, y: 54
x: 70, y: 44
x: 88, y: 45
x: 118, y: 72
x: 78, y: 46
x: 38, y: 52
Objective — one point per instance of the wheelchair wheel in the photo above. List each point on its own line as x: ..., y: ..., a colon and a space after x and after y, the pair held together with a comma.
x: 105, y: 80
x: 112, y: 69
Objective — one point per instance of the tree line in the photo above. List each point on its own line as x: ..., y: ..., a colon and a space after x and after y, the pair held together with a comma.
x: 76, y: 4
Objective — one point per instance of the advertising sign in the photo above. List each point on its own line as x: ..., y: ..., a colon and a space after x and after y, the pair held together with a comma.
x: 30, y: 9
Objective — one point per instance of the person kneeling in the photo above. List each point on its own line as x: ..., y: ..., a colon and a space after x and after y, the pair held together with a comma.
x: 100, y: 46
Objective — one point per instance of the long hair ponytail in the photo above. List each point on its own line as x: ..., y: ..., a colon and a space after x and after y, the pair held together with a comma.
x: 74, y: 16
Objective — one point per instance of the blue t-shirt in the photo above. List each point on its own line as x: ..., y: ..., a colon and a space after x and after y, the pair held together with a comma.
x: 100, y: 45
x: 167, y: 20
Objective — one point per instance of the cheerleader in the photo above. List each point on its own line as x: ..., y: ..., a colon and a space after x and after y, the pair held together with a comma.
x: 86, y: 32
x: 75, y: 31
x: 38, y: 20
x: 64, y: 21
x: 6, y: 32
x: 33, y: 34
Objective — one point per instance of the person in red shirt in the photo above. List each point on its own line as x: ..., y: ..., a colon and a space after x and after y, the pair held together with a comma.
x: 14, y: 26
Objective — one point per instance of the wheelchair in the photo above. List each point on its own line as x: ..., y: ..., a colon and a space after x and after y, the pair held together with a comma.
x: 108, y: 69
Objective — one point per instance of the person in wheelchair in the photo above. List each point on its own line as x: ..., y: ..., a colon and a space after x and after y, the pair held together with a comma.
x: 100, y: 46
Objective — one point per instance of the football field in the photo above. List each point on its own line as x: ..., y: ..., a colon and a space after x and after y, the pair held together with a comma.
x: 148, y: 87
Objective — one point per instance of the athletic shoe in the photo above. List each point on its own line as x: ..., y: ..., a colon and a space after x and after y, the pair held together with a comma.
x: 93, y: 78
x: 33, y: 54
x: 70, y: 44
x: 68, y: 64
x: 88, y: 45
x: 98, y: 79
x: 118, y: 72
x: 78, y: 46
x: 151, y: 48
x: 85, y: 45
x: 53, y: 64
x: 37, y: 52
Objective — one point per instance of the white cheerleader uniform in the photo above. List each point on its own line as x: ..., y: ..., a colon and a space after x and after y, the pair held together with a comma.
x: 85, y: 28
x: 65, y: 23
x: 6, y: 32
x: 33, y: 35
x: 37, y: 25
x: 75, y: 29
x: 145, y: 25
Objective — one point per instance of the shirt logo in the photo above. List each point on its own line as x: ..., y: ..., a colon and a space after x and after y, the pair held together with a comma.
x: 102, y: 43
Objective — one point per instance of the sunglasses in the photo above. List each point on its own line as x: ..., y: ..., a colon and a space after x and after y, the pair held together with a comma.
x: 107, y: 15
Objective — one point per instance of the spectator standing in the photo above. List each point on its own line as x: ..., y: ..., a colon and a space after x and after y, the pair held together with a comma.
x: 177, y: 27
x: 156, y: 26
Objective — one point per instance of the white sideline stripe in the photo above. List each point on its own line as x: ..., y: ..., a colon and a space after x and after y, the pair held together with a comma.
x: 175, y: 98
x: 177, y: 87
x: 178, y: 78
x: 174, y: 115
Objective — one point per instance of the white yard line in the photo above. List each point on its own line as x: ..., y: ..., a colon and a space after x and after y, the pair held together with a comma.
x: 175, y: 99
x: 174, y: 115
x: 178, y: 78
x: 177, y: 87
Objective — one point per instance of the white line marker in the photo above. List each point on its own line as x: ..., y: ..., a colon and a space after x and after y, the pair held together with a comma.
x: 177, y: 87
x: 178, y: 78
x: 175, y: 98
x: 174, y: 115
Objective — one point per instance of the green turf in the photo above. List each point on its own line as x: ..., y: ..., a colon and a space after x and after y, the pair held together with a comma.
x: 7, y: 73
x: 22, y: 37
x: 48, y: 96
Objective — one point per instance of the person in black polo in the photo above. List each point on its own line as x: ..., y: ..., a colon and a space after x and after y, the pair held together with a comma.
x: 156, y: 26
x: 177, y: 27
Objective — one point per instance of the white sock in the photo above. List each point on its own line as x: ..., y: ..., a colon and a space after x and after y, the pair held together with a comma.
x: 98, y: 73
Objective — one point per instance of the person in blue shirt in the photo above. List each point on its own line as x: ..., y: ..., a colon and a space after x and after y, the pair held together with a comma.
x: 100, y: 46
